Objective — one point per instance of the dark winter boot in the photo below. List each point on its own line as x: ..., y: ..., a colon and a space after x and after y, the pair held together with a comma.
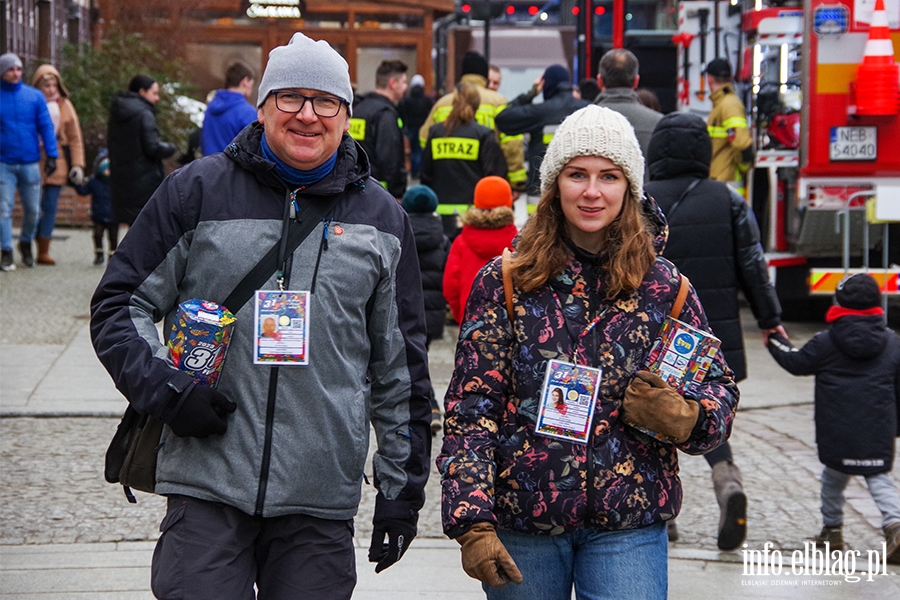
x: 98, y: 258
x: 27, y: 255
x: 892, y: 537
x: 6, y: 261
x: 834, y: 536
x: 43, y: 246
x: 732, y: 505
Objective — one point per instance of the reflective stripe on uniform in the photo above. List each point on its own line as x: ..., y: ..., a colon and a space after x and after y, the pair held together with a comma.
x: 505, y: 139
x: 517, y: 175
x: 441, y: 113
x: 717, y: 132
x: 548, y: 132
x: 455, y: 148
x: 735, y: 123
x: 357, y: 129
x: 452, y: 209
x: 485, y: 115
x: 399, y: 122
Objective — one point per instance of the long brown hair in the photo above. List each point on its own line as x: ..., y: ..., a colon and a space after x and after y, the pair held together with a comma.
x: 542, y: 252
x: 465, y: 103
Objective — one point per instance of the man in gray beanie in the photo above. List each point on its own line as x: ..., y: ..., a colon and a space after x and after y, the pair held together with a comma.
x: 263, y: 472
x: 24, y: 124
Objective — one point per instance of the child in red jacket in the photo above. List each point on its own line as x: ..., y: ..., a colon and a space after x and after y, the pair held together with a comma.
x: 487, y: 229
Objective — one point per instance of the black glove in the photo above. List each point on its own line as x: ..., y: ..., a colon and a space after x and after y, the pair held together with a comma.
x: 202, y: 413
x: 400, y: 534
x: 49, y: 166
x: 779, y: 342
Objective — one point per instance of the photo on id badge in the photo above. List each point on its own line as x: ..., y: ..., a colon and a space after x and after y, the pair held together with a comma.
x: 568, y: 399
x: 281, y: 332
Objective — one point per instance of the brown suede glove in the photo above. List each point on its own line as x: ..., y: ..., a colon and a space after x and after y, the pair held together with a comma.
x: 484, y: 558
x: 650, y: 402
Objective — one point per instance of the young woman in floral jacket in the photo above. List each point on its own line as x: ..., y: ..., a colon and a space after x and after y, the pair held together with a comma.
x: 590, y: 290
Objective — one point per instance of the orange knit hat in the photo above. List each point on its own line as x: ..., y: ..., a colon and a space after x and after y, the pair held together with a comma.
x: 493, y: 192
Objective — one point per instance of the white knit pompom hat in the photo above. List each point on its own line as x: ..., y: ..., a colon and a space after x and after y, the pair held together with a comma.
x: 595, y: 131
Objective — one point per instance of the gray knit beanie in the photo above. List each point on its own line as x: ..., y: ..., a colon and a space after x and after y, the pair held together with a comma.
x: 8, y: 61
x: 595, y: 131
x: 305, y: 63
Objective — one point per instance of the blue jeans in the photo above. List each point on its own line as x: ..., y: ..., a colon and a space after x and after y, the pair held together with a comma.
x: 27, y: 178
x: 415, y: 153
x: 49, y: 201
x: 881, y: 486
x: 602, y: 565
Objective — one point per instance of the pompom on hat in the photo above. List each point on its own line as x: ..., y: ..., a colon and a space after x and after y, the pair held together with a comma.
x: 858, y: 292
x: 595, y: 131
x: 420, y: 199
x: 305, y: 63
x: 492, y: 192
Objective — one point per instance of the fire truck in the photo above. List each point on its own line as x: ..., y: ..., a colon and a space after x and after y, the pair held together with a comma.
x: 820, y: 83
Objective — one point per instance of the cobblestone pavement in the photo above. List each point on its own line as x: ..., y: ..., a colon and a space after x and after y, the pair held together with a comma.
x: 53, y: 489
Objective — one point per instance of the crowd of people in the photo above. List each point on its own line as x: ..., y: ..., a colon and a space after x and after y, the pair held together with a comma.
x: 559, y: 453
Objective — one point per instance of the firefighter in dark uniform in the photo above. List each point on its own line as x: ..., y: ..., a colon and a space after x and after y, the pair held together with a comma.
x: 458, y: 153
x: 376, y: 125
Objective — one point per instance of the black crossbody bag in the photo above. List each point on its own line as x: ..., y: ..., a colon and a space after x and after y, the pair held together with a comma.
x: 131, y: 456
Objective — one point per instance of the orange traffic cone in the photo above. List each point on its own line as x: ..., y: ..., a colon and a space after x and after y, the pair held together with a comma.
x: 877, y: 78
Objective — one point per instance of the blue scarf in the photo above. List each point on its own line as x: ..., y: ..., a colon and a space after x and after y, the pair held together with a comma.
x: 295, y: 177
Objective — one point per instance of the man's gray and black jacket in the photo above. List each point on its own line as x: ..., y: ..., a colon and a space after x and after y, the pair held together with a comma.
x: 713, y: 234
x: 303, y: 448
x: 540, y: 121
x: 377, y: 127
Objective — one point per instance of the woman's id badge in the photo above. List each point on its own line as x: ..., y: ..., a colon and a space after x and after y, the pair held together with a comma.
x: 567, y: 401
x: 281, y: 335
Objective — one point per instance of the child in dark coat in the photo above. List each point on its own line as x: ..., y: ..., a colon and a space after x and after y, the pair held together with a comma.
x: 857, y: 400
x: 420, y: 202
x: 487, y: 229
x: 97, y: 187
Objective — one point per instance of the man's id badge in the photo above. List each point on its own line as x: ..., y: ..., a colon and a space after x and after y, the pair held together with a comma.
x: 567, y: 401
x: 281, y: 328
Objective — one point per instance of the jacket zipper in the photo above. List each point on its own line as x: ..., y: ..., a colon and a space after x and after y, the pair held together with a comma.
x: 285, y: 278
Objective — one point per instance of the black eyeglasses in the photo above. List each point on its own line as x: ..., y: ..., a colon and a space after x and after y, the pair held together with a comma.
x: 323, y: 106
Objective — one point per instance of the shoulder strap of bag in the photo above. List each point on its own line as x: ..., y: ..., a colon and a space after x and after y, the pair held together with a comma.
x: 507, y: 282
x: 681, y: 297
x: 268, y: 264
x: 683, y: 195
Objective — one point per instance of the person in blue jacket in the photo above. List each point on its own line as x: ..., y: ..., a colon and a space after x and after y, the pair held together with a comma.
x: 25, y: 124
x: 229, y: 111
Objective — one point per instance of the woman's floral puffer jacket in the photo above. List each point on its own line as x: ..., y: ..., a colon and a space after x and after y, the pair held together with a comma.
x: 495, y: 469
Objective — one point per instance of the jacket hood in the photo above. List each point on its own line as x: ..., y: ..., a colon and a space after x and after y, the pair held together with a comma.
x: 659, y: 227
x: 225, y: 100
x: 352, y: 167
x: 428, y: 231
x: 680, y: 147
x: 488, y: 243
x: 47, y: 69
x: 860, y: 337
x: 127, y: 104
x: 488, y: 219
